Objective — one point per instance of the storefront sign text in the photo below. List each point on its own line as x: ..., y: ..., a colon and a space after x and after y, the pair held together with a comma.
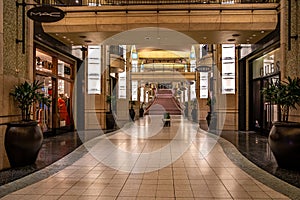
x: 45, y: 14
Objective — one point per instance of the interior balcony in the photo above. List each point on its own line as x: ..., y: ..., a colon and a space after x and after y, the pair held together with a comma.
x: 213, y: 23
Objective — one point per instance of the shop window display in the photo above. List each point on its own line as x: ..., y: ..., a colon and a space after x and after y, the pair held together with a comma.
x: 43, y: 62
x: 56, y: 72
x: 43, y: 112
x: 64, y: 106
x: 265, y: 69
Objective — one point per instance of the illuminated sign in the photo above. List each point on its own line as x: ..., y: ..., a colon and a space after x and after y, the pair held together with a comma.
x: 228, y: 69
x: 134, y: 90
x: 94, y: 70
x: 203, y: 85
x: 45, y: 14
x: 203, y: 69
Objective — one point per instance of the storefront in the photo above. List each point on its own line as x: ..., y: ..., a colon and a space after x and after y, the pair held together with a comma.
x: 56, y: 71
x: 263, y: 70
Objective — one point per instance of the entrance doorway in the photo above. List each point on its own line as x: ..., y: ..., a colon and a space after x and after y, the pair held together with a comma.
x: 264, y: 113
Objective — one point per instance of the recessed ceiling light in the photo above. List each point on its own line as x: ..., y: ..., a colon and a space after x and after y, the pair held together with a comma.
x: 235, y: 35
x: 204, y: 38
x: 253, y: 35
x: 250, y: 37
x: 231, y: 40
x: 64, y: 36
x: 82, y: 36
x: 262, y: 31
x: 247, y: 40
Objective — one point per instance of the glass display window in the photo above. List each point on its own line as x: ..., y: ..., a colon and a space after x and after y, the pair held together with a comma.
x: 44, y: 113
x: 64, y: 69
x: 266, y: 65
x: 43, y: 62
x: 64, y: 102
x: 55, y: 71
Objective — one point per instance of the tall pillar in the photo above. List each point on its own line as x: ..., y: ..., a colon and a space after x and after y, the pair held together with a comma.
x: 2, y: 128
x: 292, y: 33
x: 226, y: 106
x: 283, y: 36
x: 15, y: 66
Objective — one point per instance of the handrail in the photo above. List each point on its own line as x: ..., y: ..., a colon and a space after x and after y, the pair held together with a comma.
x: 146, y: 2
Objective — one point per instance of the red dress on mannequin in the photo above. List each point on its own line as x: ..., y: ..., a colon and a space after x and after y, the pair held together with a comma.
x: 63, y: 113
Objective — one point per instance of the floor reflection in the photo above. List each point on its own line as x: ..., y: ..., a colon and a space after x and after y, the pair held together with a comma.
x: 254, y: 146
x: 251, y: 144
x: 53, y: 149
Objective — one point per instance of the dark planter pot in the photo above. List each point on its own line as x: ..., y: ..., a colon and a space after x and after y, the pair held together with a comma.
x: 132, y: 114
x: 284, y: 141
x: 141, y: 112
x: 110, y: 121
x: 211, y: 119
x: 194, y: 115
x: 23, y: 141
x: 208, y: 118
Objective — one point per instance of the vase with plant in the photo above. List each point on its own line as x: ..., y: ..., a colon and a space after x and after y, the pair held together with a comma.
x: 284, y: 136
x: 23, y: 139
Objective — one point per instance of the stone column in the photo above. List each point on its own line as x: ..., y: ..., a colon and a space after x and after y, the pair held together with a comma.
x: 283, y: 36
x: 15, y: 66
x: 289, y: 63
x: 2, y: 128
x: 292, y: 60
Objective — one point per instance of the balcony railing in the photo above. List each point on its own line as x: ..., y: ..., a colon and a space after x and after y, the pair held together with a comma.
x: 145, y: 2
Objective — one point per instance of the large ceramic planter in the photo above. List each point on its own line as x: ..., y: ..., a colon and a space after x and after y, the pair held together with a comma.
x: 110, y: 121
x: 194, y: 115
x: 23, y: 140
x: 284, y: 141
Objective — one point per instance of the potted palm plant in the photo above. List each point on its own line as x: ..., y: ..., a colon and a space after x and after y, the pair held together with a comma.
x: 23, y: 139
x: 284, y: 137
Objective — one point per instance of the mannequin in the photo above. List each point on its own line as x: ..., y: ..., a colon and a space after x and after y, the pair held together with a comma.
x: 62, y: 108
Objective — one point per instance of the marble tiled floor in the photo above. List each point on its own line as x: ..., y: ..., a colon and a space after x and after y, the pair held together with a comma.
x: 147, y: 161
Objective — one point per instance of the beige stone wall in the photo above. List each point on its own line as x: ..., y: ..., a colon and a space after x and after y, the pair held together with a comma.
x: 1, y: 83
x: 14, y: 66
x: 226, y: 104
x: 96, y: 105
x: 292, y: 62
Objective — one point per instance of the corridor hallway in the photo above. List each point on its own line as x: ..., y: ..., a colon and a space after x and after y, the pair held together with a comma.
x: 145, y: 160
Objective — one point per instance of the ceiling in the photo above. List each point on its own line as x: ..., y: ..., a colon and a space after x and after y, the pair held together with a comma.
x: 147, y: 27
x: 158, y: 39
x: 161, y: 48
